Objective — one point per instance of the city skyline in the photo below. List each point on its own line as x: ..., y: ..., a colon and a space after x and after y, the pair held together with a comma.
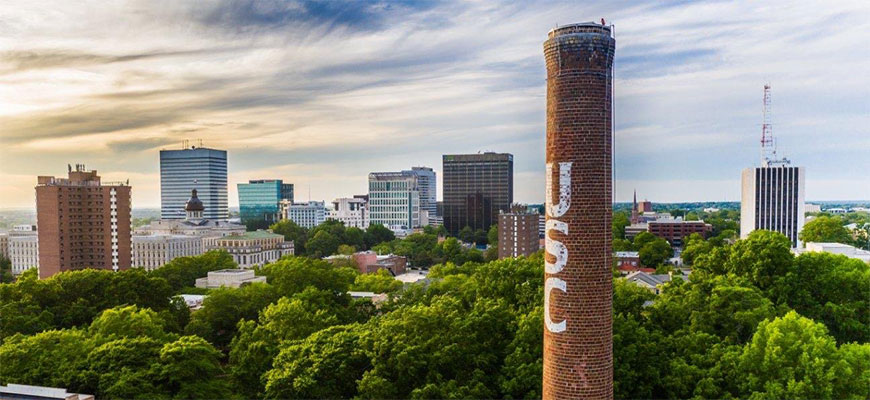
x: 321, y: 95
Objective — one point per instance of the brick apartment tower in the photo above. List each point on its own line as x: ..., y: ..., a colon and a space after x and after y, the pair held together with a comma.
x: 578, y: 341
x: 83, y: 223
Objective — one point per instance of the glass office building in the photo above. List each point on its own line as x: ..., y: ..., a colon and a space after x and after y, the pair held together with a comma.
x: 197, y: 168
x: 259, y: 200
x: 476, y: 188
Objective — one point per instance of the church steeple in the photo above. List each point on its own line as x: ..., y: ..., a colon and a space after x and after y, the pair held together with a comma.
x: 634, y: 212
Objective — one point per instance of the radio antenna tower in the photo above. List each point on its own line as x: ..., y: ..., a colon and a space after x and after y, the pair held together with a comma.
x: 768, y: 151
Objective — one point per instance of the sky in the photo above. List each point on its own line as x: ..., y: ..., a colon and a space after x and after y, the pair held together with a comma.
x: 322, y: 93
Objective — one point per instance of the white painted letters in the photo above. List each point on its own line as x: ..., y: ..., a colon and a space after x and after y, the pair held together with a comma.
x: 549, y: 285
x: 556, y: 248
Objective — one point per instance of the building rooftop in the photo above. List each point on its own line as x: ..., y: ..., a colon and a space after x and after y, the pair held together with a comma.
x: 15, y: 391
x: 252, y: 235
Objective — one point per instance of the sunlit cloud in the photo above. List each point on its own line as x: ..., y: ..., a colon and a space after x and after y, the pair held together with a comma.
x: 320, y: 93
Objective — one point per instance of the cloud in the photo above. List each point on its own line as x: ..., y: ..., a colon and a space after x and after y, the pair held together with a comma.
x: 321, y: 92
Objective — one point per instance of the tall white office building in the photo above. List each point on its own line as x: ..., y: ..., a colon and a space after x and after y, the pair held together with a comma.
x: 772, y: 195
x: 773, y: 199
x: 307, y: 215
x: 394, y: 200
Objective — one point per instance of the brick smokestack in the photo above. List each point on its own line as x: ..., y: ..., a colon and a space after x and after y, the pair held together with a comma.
x: 578, y: 337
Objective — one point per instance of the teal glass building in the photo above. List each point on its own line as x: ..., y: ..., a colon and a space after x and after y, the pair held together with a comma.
x: 259, y: 199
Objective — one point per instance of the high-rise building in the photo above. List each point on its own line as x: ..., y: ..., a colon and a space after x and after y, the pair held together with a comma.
x: 517, y: 233
x: 307, y: 215
x: 259, y: 200
x: 476, y: 188
x: 352, y: 212
x: 772, y: 196
x: 428, y: 185
x: 394, y: 200
x: 198, y: 168
x: 578, y: 283
x: 83, y: 223
x: 773, y: 199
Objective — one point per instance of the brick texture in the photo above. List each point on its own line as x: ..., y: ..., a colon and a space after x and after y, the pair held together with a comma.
x: 578, y: 358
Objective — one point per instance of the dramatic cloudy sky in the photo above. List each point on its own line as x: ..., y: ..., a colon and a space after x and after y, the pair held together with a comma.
x: 321, y: 93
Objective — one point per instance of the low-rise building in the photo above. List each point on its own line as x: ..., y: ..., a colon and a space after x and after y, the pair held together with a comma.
x: 517, y: 233
x: 836, y: 248
x: 14, y: 391
x: 812, y: 208
x: 232, y: 278
x: 652, y: 282
x: 352, y: 212
x: 674, y: 229
x: 209, y: 231
x: 255, y: 248
x: 628, y: 262
x: 369, y: 262
x: 153, y: 251
x: 23, y: 248
x: 307, y: 215
x: 193, y: 301
x: 413, y: 276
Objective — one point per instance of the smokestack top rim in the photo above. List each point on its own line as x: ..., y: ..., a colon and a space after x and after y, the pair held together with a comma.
x: 580, y: 27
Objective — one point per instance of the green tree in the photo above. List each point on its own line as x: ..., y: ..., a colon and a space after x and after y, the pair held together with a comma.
x: 764, y: 258
x: 355, y: 237
x: 655, y: 252
x: 379, y: 282
x: 127, y: 322
x: 466, y: 235
x: 5, y: 270
x: 222, y: 310
x: 183, y: 272
x: 492, y: 236
x: 190, y: 368
x: 618, y: 224
x: 292, y: 232
x: 694, y: 246
x: 376, y: 234
x: 825, y: 229
x: 790, y: 357
x: 322, y: 244
x: 50, y: 358
x: 325, y: 365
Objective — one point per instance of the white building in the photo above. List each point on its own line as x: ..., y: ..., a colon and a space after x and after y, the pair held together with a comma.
x: 153, y: 251
x: 255, y: 248
x: 773, y: 199
x: 836, y: 248
x: 232, y: 278
x: 307, y: 215
x: 394, y: 200
x: 812, y: 208
x: 23, y: 248
x: 352, y: 212
x: 4, y: 244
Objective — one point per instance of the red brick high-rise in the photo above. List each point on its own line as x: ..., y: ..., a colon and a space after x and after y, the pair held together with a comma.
x: 578, y: 341
x: 83, y: 223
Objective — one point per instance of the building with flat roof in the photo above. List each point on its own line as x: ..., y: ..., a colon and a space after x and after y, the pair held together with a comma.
x: 352, y: 212
x: 518, y: 233
x: 835, y: 248
x: 394, y: 200
x: 83, y: 222
x: 773, y: 199
x: 14, y: 391
x: 260, y: 200
x: 428, y: 187
x: 23, y: 248
x: 476, y: 188
x: 198, y: 168
x: 153, y: 251
x: 368, y: 262
x: 232, y: 278
x: 674, y: 230
x: 255, y: 248
x: 307, y: 215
